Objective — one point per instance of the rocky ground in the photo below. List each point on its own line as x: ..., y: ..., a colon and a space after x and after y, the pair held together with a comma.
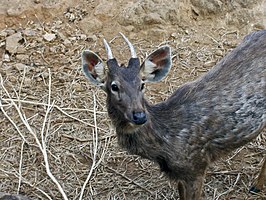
x: 53, y: 121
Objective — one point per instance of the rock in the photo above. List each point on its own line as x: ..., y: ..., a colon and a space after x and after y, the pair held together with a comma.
x: 27, y: 81
x: 6, y: 58
x: 22, y: 57
x: 45, y: 75
x: 12, y: 42
x: 14, y: 12
x: 29, y: 32
x: 209, y: 64
x: 3, y: 34
x: 2, y: 44
x: 206, y: 7
x: 219, y: 52
x: 153, y: 18
x: 82, y: 36
x: 66, y: 42
x: 78, y: 87
x: 92, y: 38
x: 90, y: 24
x: 21, y: 67
x: 103, y: 10
x: 49, y: 37
x: 129, y: 28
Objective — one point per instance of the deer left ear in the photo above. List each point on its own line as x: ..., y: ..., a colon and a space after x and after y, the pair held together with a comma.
x: 156, y: 66
x: 93, y: 68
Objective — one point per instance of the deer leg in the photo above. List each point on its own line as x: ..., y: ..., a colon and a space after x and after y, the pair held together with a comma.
x: 261, y: 180
x: 191, y: 190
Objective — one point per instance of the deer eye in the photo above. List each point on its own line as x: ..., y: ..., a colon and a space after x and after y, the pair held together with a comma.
x: 114, y: 87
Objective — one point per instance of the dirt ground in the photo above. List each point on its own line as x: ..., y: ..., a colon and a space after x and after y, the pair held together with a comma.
x: 56, y: 141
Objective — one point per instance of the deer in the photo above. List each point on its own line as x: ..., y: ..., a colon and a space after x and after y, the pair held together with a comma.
x: 202, y: 121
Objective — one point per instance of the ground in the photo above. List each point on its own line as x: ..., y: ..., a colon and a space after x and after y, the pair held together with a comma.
x: 53, y: 123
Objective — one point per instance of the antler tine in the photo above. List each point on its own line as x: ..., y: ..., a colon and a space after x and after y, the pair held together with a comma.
x: 132, y: 50
x: 108, y: 49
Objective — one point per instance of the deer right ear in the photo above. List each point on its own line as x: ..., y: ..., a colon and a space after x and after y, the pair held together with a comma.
x: 93, y: 68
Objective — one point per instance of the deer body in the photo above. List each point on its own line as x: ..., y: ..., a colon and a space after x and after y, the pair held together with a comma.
x: 200, y: 122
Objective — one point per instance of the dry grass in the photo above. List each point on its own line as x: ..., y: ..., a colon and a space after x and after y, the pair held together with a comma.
x: 56, y: 141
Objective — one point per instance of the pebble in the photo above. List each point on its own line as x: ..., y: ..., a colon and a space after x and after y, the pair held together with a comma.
x: 92, y: 38
x: 78, y: 87
x: 49, y: 37
x: 219, y: 52
x: 129, y: 28
x: 2, y: 44
x: 45, y: 75
x: 82, y: 36
x: 27, y: 81
x: 29, y: 32
x: 209, y: 64
x: 22, y: 57
x: 21, y: 66
x: 6, y: 58
x: 12, y: 42
x: 66, y: 42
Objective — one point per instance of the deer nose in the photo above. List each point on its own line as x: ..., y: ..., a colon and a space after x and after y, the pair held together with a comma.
x: 139, y: 118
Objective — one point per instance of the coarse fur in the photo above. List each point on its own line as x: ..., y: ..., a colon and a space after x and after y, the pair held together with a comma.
x: 200, y: 122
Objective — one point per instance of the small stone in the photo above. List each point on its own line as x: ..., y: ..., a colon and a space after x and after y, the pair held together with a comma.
x: 3, y: 34
x: 22, y: 57
x: 14, y: 12
x: 45, y: 75
x: 209, y: 64
x: 49, y: 37
x: 153, y: 18
x: 29, y: 32
x: 61, y: 35
x: 174, y: 35
x: 129, y: 28
x: 82, y: 36
x: 2, y: 44
x: 21, y: 67
x: 260, y: 25
x: 90, y: 24
x: 219, y: 52
x: 21, y: 49
x: 12, y: 78
x: 6, y: 58
x: 9, y: 32
x: 92, y: 38
x: 53, y: 49
x: 66, y: 42
x: 72, y: 38
x: 27, y: 81
x: 12, y: 42
x: 78, y: 87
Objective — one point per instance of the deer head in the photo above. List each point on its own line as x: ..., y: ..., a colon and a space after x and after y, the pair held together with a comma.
x: 124, y: 84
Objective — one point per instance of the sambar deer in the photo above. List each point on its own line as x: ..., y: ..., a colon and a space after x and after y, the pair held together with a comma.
x: 200, y: 122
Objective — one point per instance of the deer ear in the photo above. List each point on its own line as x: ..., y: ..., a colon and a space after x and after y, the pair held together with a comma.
x: 156, y: 66
x: 93, y: 68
